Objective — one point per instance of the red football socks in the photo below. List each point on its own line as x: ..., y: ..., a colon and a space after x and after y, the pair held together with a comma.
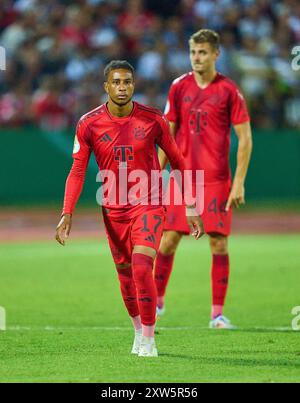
x: 163, y: 269
x: 128, y: 291
x: 219, y: 277
x: 142, y: 268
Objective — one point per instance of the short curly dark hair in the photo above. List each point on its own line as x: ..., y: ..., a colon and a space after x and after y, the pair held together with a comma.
x: 117, y: 64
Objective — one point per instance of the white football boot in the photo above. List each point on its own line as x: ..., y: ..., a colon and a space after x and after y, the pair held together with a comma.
x: 160, y: 311
x: 221, y: 322
x: 137, y: 342
x: 148, y: 348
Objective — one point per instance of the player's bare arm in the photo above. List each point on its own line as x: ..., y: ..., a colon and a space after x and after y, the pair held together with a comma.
x: 162, y: 157
x: 63, y: 229
x: 237, y: 194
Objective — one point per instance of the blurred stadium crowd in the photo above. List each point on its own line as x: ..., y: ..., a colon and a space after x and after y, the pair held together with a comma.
x: 56, y: 51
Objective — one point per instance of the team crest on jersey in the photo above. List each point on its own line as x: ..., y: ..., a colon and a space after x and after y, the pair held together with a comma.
x: 187, y: 99
x: 76, y: 146
x: 139, y: 133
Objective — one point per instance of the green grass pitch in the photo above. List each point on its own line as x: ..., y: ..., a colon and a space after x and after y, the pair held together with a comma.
x: 66, y: 321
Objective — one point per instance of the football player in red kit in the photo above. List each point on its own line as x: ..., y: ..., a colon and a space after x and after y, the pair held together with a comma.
x: 123, y: 136
x: 202, y: 105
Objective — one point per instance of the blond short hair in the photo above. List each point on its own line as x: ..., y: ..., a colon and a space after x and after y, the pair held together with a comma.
x: 206, y: 35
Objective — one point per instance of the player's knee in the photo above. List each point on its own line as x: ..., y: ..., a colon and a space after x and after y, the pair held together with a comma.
x: 170, y: 242
x: 144, y: 250
x: 219, y: 245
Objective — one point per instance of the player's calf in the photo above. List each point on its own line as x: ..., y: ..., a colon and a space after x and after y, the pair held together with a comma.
x: 164, y: 265
x: 128, y: 290
x: 220, y: 272
x: 142, y: 266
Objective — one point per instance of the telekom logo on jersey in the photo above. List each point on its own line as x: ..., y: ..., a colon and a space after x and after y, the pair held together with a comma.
x: 123, y: 154
x: 137, y: 187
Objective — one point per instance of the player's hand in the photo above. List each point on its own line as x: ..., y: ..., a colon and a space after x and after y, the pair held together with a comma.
x: 63, y: 229
x: 195, y: 222
x: 236, y: 196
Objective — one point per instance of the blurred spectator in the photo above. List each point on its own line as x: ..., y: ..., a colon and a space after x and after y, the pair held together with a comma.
x: 15, y: 105
x: 85, y: 61
x: 133, y: 23
x: 254, y: 24
x: 149, y: 66
x: 48, y: 108
x: 253, y: 67
x: 225, y: 61
x: 56, y: 52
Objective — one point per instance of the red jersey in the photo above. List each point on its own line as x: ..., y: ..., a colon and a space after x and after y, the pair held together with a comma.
x: 204, y: 118
x: 121, y: 144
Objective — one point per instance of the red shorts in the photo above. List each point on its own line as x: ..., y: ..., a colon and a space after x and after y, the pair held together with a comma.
x: 214, y: 216
x: 141, y: 225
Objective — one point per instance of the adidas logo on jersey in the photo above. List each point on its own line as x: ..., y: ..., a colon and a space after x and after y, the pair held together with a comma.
x: 150, y: 238
x: 105, y: 138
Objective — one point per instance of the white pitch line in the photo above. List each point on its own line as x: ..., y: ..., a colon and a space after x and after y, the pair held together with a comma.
x: 118, y: 328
